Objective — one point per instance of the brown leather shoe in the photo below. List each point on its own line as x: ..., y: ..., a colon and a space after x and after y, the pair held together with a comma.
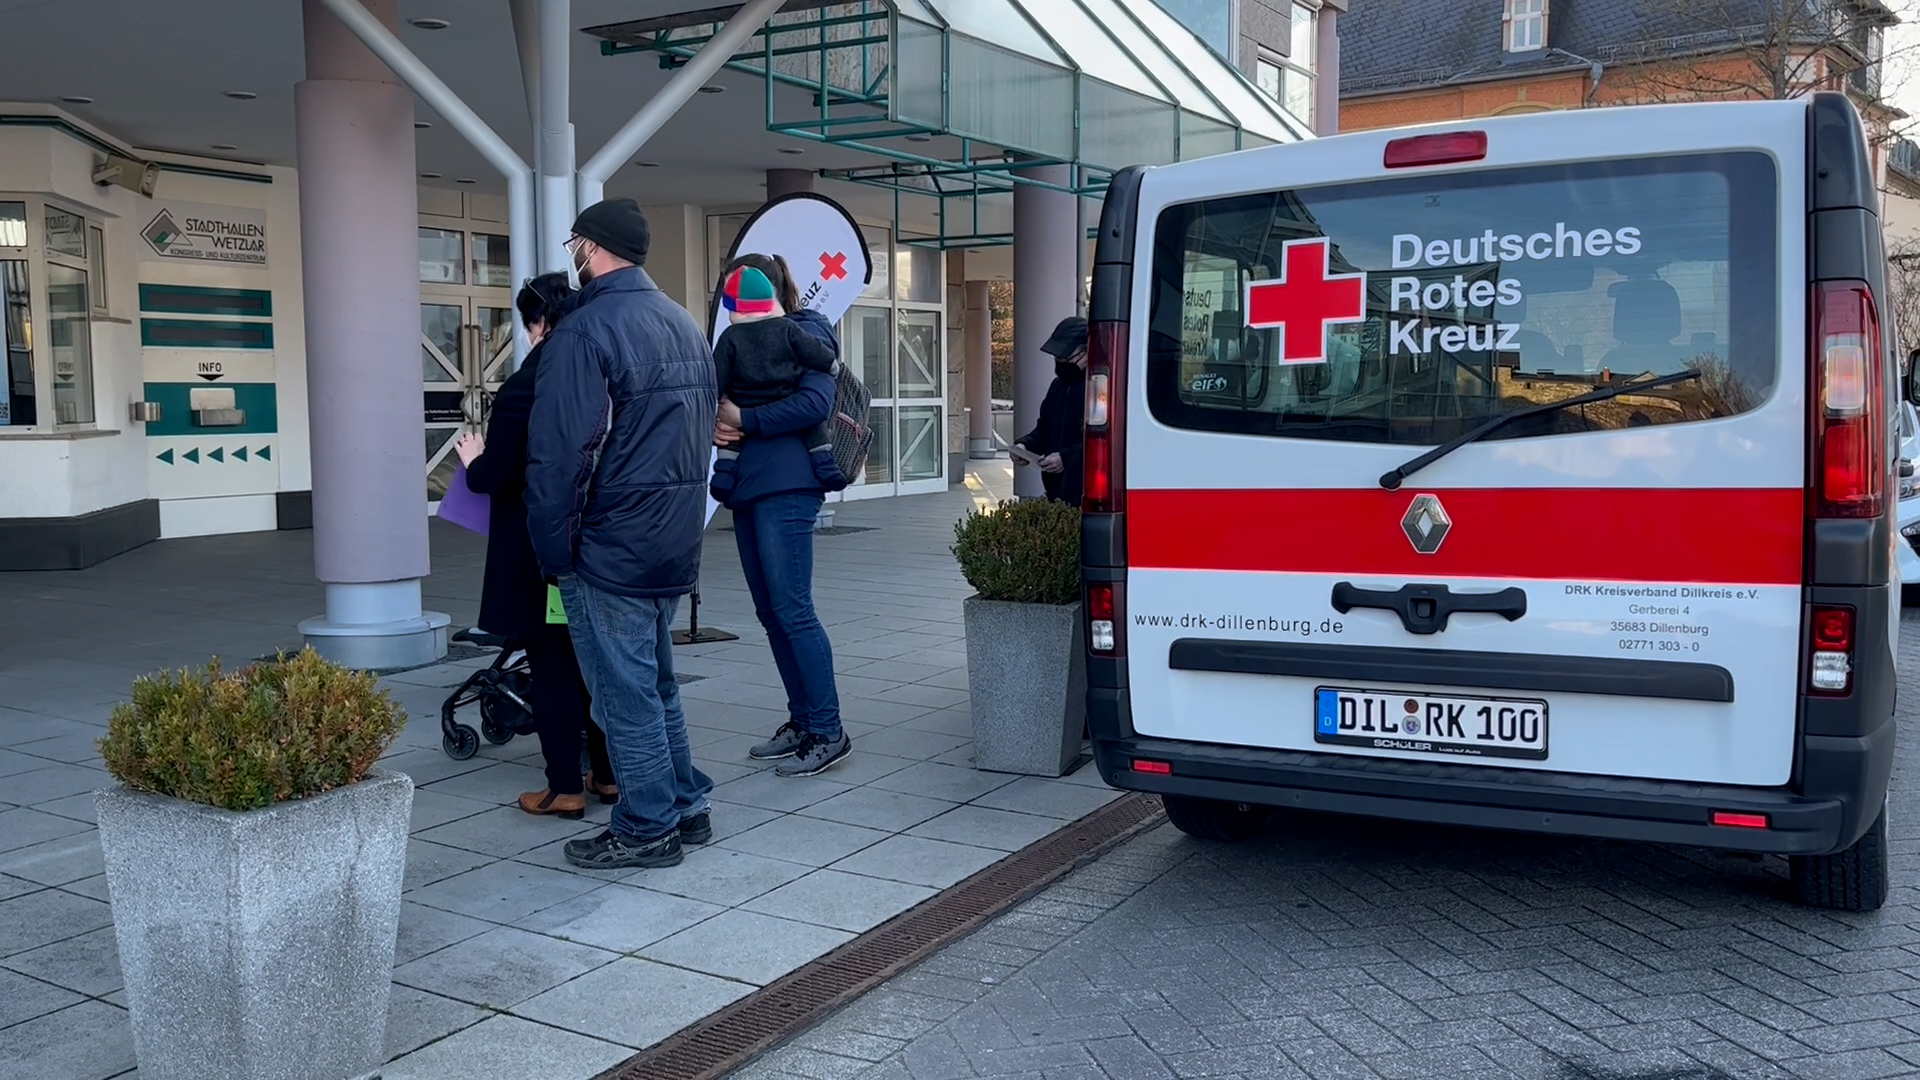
x: 544, y: 803
x: 608, y: 793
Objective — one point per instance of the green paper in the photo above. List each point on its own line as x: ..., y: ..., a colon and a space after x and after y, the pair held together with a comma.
x: 556, y: 608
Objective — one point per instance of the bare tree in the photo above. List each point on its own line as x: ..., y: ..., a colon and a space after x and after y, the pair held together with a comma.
x: 1754, y: 49
x: 1902, y: 303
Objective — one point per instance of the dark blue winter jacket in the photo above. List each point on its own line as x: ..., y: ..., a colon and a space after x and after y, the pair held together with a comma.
x: 618, y: 444
x: 774, y: 458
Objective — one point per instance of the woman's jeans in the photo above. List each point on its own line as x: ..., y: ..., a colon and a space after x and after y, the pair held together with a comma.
x: 559, y: 699
x: 775, y: 536
x: 625, y: 645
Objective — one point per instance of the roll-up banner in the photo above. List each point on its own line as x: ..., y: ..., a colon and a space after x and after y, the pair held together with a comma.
x: 824, y: 251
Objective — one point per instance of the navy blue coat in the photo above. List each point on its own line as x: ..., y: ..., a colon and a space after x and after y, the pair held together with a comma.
x: 620, y: 438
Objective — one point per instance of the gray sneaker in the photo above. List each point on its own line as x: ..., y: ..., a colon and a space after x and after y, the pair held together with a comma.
x: 611, y: 851
x: 783, y: 744
x: 816, y: 755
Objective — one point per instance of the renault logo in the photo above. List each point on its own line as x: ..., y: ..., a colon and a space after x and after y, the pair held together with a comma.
x: 1426, y: 524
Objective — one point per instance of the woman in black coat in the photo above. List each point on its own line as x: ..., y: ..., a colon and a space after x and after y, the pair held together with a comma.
x: 513, y: 597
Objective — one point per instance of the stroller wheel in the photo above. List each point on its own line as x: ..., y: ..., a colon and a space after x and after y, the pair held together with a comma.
x: 497, y: 733
x: 461, y: 742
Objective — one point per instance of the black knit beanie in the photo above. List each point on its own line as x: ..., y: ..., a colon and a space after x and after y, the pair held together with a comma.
x: 618, y: 226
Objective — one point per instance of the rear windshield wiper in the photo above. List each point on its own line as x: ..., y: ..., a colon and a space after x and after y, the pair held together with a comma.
x: 1391, y: 480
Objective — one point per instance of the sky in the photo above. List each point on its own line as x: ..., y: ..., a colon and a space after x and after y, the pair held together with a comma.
x: 1902, y: 76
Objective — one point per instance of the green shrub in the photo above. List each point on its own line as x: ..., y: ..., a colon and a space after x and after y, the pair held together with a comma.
x: 242, y: 740
x: 1027, y: 552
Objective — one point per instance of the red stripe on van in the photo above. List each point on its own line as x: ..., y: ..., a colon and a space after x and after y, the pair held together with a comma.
x: 1724, y: 536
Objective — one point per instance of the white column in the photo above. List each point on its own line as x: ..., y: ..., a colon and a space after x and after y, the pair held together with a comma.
x: 1046, y: 289
x: 359, y: 216
x: 979, y: 346
x: 1326, y: 73
x: 554, y: 144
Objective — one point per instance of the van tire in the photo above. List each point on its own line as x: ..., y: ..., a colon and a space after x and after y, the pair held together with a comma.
x: 1850, y: 880
x: 1208, y: 819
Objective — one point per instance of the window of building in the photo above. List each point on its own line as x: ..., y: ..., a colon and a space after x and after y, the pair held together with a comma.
x: 97, y: 268
x: 1212, y: 21
x: 1266, y: 76
x: 49, y: 272
x: 1289, y: 80
x: 1526, y: 25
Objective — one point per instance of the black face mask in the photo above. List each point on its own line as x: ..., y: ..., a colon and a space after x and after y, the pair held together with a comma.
x: 1068, y: 371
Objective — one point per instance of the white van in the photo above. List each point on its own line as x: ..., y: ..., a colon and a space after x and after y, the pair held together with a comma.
x: 1530, y: 473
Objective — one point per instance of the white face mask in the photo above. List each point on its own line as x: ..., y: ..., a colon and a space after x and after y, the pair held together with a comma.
x: 576, y: 271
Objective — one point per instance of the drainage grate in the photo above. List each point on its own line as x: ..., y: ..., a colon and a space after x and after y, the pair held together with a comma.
x: 729, y: 1038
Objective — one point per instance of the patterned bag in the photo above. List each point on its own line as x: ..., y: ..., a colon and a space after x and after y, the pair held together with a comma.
x: 850, y: 435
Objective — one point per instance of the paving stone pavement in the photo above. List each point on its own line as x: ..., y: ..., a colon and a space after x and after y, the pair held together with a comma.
x: 510, y: 962
x: 1346, y: 949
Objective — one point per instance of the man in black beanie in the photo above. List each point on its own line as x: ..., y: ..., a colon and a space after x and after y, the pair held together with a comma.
x: 617, y: 453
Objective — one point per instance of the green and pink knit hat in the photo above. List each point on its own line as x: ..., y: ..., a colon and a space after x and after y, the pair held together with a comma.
x: 748, y: 292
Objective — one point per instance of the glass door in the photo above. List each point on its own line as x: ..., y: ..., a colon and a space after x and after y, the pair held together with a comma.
x: 893, y: 339
x: 466, y: 341
x: 466, y: 349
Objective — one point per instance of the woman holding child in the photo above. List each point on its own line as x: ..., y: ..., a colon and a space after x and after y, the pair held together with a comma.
x: 776, y: 396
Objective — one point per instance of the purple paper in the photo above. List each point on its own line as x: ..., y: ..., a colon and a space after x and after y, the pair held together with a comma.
x: 460, y: 506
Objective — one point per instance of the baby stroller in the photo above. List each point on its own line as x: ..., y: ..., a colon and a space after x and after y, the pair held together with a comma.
x: 501, y: 689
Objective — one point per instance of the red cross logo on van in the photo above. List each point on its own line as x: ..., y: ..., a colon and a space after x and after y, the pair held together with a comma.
x: 1305, y: 300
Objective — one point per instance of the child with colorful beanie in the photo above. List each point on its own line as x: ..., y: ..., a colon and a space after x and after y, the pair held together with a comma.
x: 758, y: 361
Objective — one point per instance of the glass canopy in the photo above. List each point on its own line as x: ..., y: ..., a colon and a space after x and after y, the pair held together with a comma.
x: 1017, y: 73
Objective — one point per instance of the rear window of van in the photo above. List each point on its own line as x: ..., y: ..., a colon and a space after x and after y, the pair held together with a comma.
x: 1485, y: 293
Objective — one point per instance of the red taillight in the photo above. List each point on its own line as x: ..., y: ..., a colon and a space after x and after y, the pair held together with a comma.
x: 1442, y: 149
x: 1849, y: 417
x: 1103, y: 489
x: 1157, y: 768
x: 1830, y: 641
x: 1100, y: 602
x: 1833, y: 628
x: 1731, y: 820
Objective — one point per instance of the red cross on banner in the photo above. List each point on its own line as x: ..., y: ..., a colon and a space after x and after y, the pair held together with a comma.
x: 1305, y: 300
x: 833, y: 267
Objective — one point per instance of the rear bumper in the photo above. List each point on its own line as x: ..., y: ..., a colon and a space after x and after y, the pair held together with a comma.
x: 1841, y: 784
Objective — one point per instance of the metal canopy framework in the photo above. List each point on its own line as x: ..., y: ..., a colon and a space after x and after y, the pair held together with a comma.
x: 1095, y: 85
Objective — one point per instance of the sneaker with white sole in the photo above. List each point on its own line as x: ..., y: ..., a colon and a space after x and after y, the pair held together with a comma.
x: 782, y: 745
x: 815, y: 755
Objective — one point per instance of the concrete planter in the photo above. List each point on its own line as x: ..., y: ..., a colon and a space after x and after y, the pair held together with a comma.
x: 258, y: 945
x: 1026, y: 673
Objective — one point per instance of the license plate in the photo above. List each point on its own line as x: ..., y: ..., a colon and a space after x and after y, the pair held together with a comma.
x: 1431, y: 724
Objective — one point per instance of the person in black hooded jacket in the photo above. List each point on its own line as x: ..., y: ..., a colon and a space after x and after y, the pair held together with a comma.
x: 1056, y: 439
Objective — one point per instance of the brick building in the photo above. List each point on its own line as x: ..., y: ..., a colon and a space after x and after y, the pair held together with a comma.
x: 1426, y: 61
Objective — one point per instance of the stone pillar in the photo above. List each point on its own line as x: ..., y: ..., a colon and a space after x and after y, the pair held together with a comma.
x: 788, y: 181
x: 1046, y: 289
x: 359, y: 215
x: 953, y: 338
x: 979, y: 343
x: 1326, y: 73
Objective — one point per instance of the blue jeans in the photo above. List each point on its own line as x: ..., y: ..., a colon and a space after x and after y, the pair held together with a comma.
x: 625, y: 645
x: 775, y: 535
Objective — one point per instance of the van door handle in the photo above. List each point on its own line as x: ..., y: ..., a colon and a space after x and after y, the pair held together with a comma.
x: 1425, y: 609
